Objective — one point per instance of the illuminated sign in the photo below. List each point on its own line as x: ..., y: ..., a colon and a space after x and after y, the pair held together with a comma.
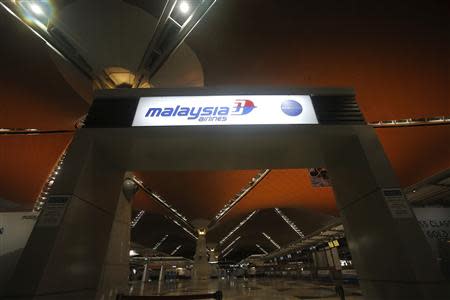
x: 224, y: 110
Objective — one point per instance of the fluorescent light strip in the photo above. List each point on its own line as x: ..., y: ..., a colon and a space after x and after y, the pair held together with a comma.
x: 289, y: 222
x: 439, y: 120
x: 161, y: 200
x: 262, y: 249
x: 176, y: 249
x: 137, y: 218
x: 237, y: 227
x: 226, y: 254
x: 241, y: 194
x: 184, y: 228
x: 271, y: 240
x: 160, y: 242
x: 231, y: 244
x: 45, y: 191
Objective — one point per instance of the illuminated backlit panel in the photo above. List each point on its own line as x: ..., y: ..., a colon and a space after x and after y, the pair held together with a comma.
x: 224, y: 110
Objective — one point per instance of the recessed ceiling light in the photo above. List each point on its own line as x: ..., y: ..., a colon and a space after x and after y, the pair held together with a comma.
x: 184, y: 7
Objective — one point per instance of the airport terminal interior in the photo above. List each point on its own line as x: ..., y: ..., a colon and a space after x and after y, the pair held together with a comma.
x: 224, y: 149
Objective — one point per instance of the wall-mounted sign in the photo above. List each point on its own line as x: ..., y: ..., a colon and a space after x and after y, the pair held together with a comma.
x: 53, y: 211
x: 435, y: 222
x: 396, y: 203
x: 224, y: 110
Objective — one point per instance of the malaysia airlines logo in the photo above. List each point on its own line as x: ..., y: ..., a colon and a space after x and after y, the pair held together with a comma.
x: 203, y: 113
x: 243, y: 107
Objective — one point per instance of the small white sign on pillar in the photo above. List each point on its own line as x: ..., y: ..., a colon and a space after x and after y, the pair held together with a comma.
x: 397, y: 203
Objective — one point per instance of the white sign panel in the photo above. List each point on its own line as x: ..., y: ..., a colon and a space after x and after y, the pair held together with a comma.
x: 397, y: 204
x: 224, y: 110
x: 435, y: 222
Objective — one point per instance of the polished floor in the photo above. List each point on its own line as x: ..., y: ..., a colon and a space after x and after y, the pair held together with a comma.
x: 261, y: 288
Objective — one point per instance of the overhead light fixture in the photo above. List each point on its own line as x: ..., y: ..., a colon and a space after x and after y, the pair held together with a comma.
x: 184, y: 7
x: 36, y: 9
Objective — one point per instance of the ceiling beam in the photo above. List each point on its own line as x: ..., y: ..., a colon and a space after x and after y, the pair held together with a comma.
x: 169, y: 34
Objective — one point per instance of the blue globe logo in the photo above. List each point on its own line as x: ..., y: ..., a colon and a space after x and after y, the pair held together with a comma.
x: 291, y: 108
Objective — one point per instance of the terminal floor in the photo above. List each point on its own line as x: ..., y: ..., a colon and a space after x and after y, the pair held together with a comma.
x: 253, y: 288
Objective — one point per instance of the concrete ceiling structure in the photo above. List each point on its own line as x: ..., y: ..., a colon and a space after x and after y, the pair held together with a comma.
x: 396, y: 56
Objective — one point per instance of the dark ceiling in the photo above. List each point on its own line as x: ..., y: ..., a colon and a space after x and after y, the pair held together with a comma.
x: 396, y: 54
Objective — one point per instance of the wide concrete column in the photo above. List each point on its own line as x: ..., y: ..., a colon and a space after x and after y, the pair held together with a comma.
x: 389, y: 250
x: 201, y: 269
x: 79, y: 246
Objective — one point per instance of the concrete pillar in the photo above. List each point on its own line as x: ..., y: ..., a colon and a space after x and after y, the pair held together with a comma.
x: 334, y: 264
x: 144, y: 274
x: 389, y: 251
x: 201, y: 269
x: 79, y: 247
x: 161, y: 274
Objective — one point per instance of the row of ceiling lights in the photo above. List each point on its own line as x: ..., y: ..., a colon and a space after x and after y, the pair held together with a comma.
x: 238, y: 226
x: 44, y: 194
x: 230, y: 244
x: 244, y: 191
x: 175, y: 250
x: 289, y: 222
x: 439, y: 120
x: 160, y: 242
x: 137, y: 218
